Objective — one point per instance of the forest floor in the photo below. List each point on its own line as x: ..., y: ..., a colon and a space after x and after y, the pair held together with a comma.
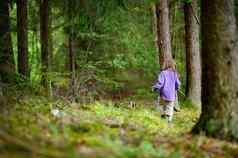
x: 39, y: 127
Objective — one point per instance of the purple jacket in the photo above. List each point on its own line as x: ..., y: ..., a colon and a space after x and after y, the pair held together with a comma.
x: 167, y: 84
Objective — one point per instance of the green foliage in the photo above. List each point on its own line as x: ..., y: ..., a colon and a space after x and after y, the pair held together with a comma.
x: 110, y: 36
x: 187, y: 1
x: 187, y: 103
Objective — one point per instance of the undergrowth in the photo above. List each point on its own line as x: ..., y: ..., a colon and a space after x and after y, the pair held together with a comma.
x: 39, y: 127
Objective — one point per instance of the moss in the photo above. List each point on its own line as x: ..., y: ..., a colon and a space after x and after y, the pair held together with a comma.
x: 139, y: 132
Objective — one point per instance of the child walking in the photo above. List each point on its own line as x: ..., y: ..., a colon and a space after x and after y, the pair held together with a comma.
x: 166, y: 85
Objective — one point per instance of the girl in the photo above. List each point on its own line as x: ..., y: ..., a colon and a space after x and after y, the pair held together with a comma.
x: 167, y: 84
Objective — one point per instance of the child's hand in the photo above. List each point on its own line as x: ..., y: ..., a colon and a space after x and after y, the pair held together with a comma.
x: 153, y: 89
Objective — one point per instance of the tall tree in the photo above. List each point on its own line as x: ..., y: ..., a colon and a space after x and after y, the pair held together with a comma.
x: 193, y: 65
x: 219, y: 116
x: 71, y: 46
x: 71, y: 42
x: 173, y: 21
x: 236, y: 11
x: 44, y: 34
x: 163, y: 33
x: 7, y: 68
x: 22, y: 39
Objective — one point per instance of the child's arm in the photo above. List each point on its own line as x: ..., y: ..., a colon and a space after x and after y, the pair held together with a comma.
x: 159, y: 83
x: 177, y: 83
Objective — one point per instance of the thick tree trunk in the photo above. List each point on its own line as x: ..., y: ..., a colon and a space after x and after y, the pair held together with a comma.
x: 22, y: 39
x: 163, y: 33
x: 7, y: 67
x: 44, y: 32
x: 193, y: 65
x: 219, y: 116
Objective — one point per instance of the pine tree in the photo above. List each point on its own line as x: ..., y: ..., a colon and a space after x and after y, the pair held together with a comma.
x: 219, y: 116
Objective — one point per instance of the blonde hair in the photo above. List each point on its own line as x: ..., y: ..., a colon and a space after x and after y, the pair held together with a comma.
x: 169, y: 64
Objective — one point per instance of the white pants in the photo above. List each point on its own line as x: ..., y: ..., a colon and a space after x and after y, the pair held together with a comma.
x: 166, y: 108
x: 176, y: 103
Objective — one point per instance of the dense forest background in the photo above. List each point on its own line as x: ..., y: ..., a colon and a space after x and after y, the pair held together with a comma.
x: 113, y: 44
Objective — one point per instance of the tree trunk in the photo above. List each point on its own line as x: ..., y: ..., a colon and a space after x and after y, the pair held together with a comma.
x: 173, y: 5
x: 72, y: 45
x: 163, y: 33
x: 7, y: 67
x: 22, y: 39
x: 71, y: 54
x: 219, y: 116
x: 44, y: 32
x: 193, y: 65
x: 236, y: 12
x: 72, y: 62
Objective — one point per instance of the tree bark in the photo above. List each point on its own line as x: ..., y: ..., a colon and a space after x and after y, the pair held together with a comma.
x: 7, y: 67
x: 219, y: 116
x: 173, y: 5
x: 44, y: 34
x: 163, y: 33
x: 22, y: 39
x: 236, y: 12
x: 72, y: 45
x: 193, y: 62
x: 72, y: 63
x: 71, y: 54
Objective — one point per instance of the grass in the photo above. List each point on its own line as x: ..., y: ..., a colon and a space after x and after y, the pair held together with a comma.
x: 103, y: 129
